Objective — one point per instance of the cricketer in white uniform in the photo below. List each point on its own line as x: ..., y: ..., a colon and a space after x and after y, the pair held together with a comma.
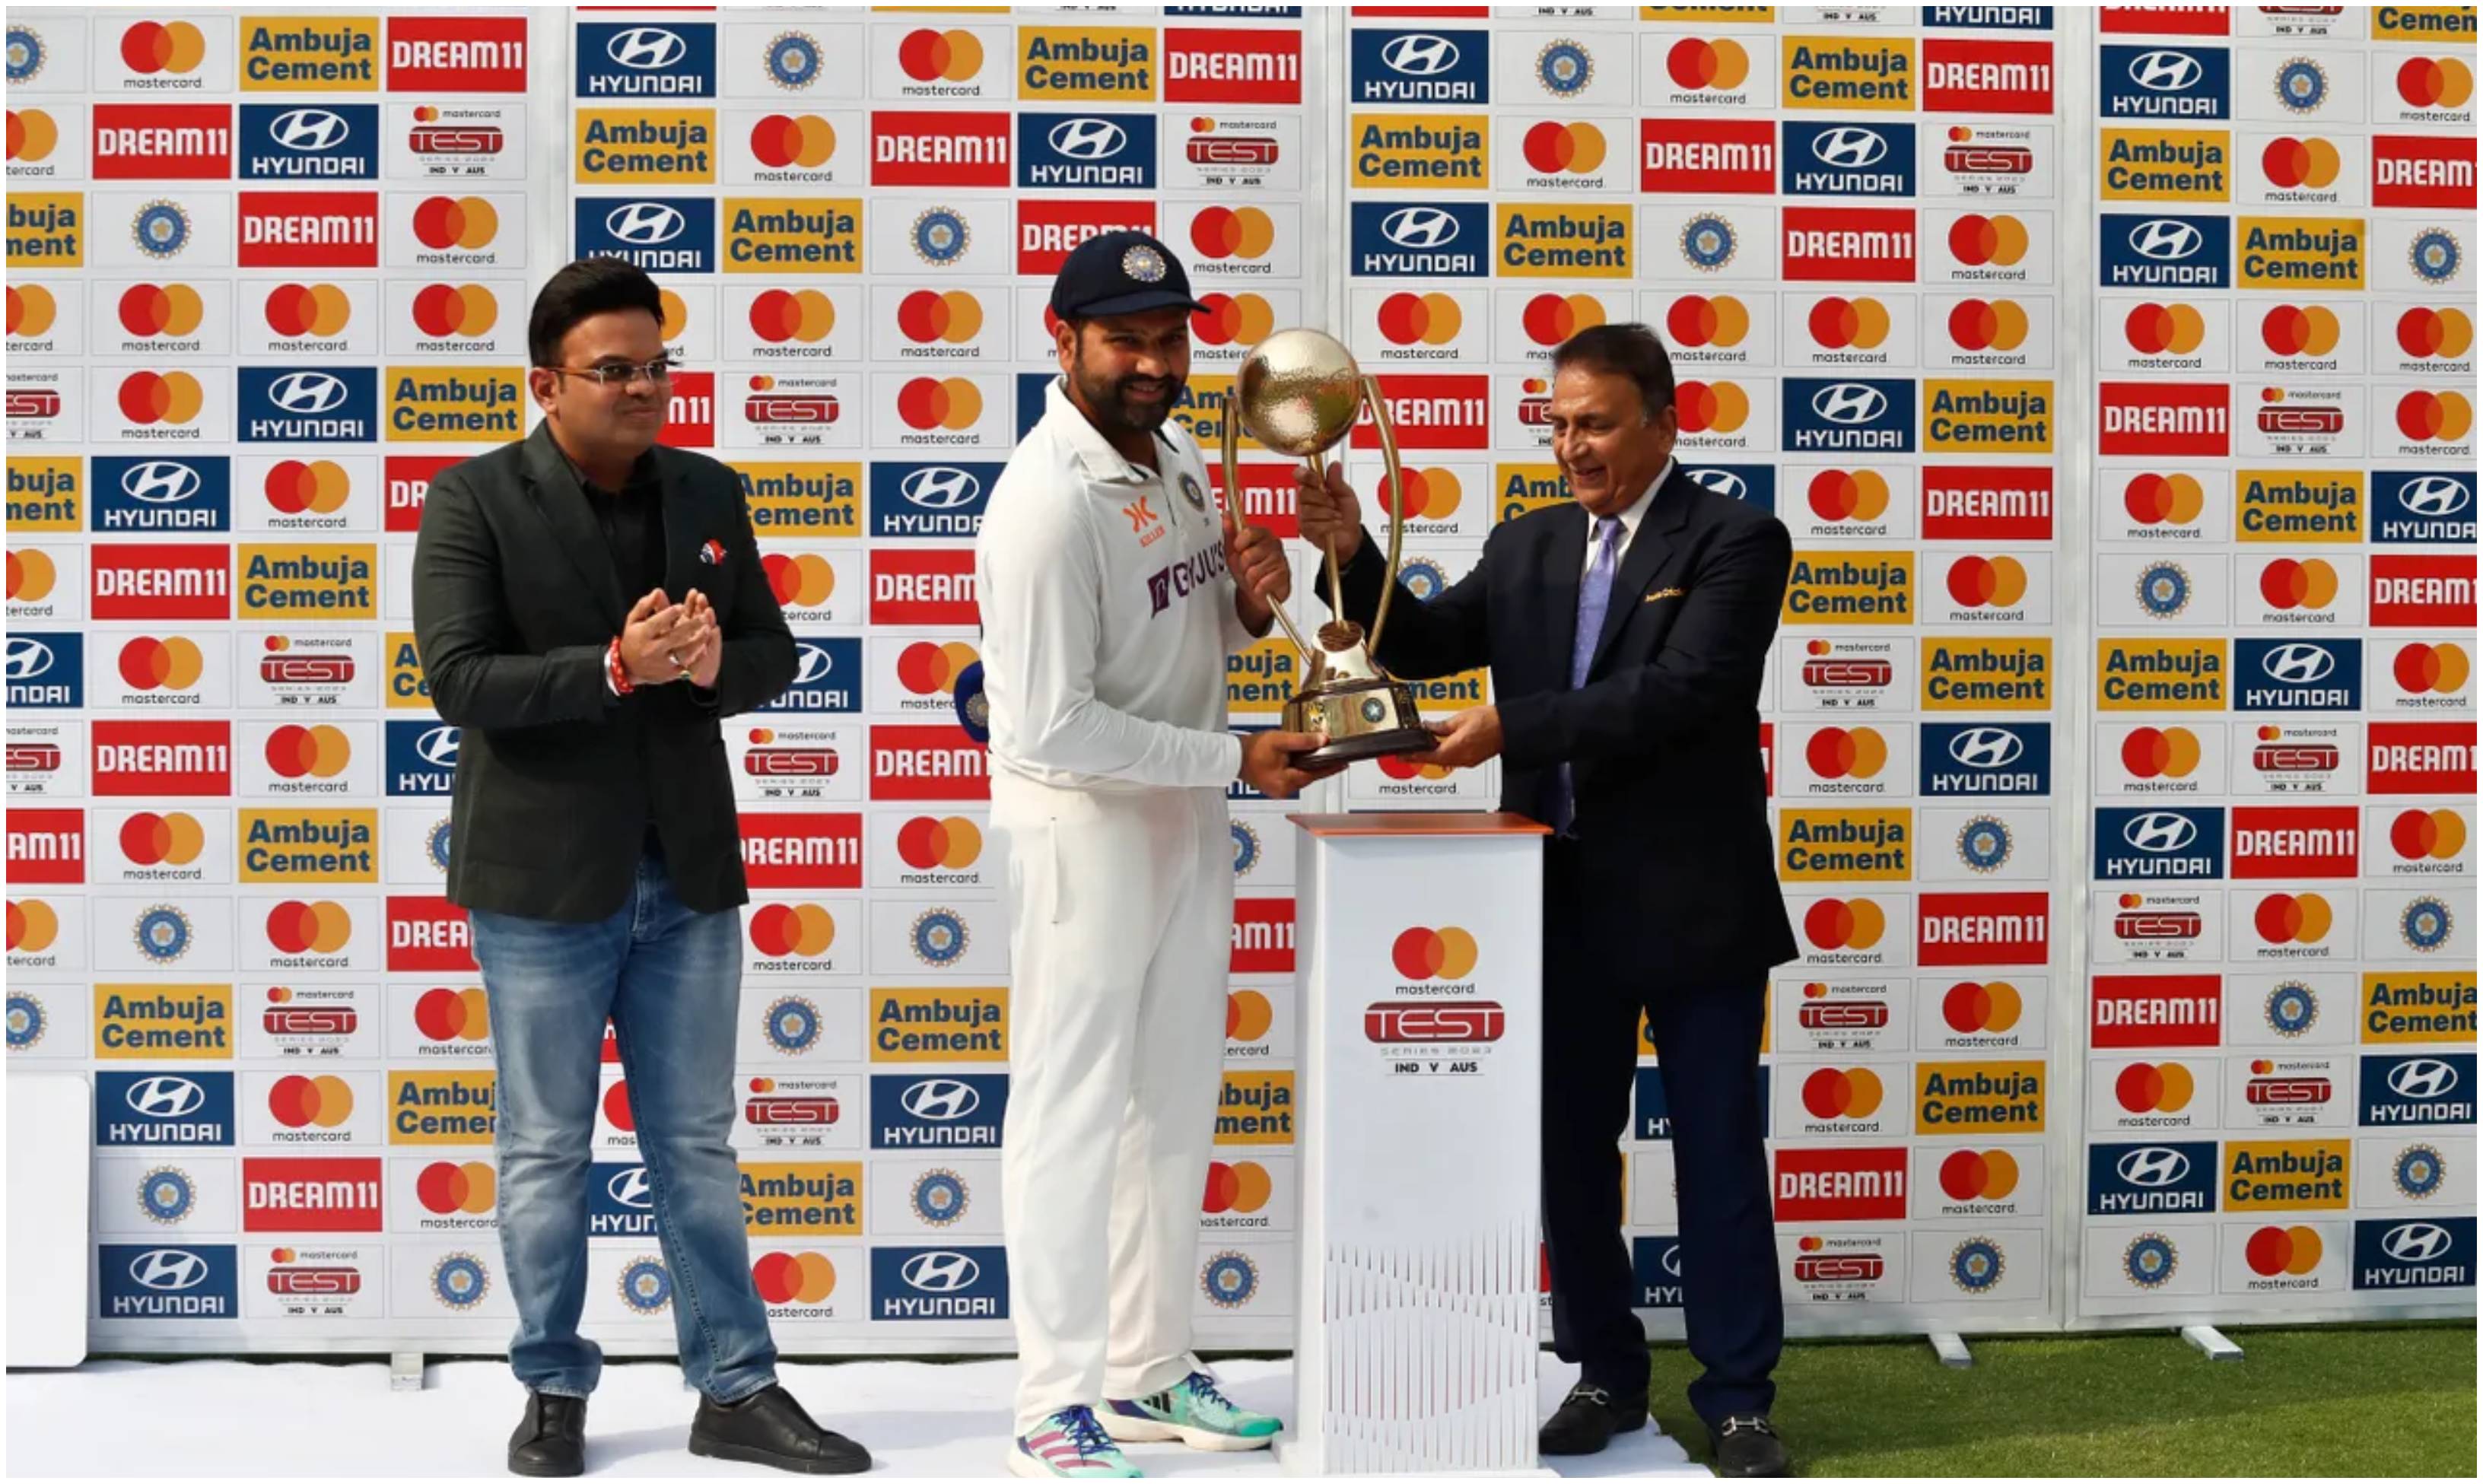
x: 1106, y: 578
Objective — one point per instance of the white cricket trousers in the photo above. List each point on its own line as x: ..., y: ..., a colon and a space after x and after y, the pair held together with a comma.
x: 1120, y: 945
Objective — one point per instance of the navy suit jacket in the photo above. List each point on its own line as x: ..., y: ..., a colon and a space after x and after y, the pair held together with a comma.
x: 1663, y: 738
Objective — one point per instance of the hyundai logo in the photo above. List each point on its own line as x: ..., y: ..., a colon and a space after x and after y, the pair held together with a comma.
x: 2165, y: 71
x: 2416, y: 1242
x: 941, y: 1100
x: 306, y: 391
x: 2427, y: 1077
x: 168, y: 1269
x: 2165, y: 240
x: 646, y: 47
x: 1987, y: 747
x: 940, y: 488
x: 1848, y: 401
x: 939, y: 1272
x: 437, y: 747
x: 160, y: 481
x: 1723, y: 482
x: 2152, y: 1166
x: 1086, y: 139
x: 2298, y: 664
x: 813, y: 664
x: 644, y: 224
x: 1671, y: 1261
x: 2436, y: 495
x: 629, y: 1187
x: 309, y: 128
x: 1419, y: 227
x: 1420, y: 55
x: 164, y: 1097
x: 28, y: 658
x: 1851, y: 148
x: 2160, y: 832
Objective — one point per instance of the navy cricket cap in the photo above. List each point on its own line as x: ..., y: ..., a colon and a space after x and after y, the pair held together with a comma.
x: 1120, y: 272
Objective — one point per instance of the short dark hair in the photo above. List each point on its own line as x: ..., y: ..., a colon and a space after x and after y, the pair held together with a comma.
x: 580, y: 291
x: 1622, y: 350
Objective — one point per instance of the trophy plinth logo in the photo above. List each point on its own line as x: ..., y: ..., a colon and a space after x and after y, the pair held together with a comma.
x: 1299, y: 393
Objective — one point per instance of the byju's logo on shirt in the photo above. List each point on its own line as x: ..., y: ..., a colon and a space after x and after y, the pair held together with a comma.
x: 1192, y: 573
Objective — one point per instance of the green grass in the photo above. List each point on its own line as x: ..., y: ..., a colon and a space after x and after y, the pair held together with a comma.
x: 2359, y: 1400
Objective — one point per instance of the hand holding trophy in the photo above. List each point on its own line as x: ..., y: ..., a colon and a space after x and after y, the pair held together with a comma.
x: 1299, y: 393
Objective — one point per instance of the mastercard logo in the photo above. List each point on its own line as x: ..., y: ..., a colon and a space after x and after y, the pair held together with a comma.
x: 794, y: 1277
x: 2144, y: 1087
x: 2422, y: 334
x: 1830, y: 1093
x: 32, y: 926
x: 1988, y: 325
x: 2288, y: 1252
x: 32, y: 577
x: 805, y: 140
x: 309, y: 752
x: 2288, y: 917
x: 2433, y: 416
x: 1432, y: 319
x: 447, y: 1188
x: 1712, y: 406
x: 1697, y: 64
x: 1834, y: 752
x: 1232, y: 232
x: 1434, y: 953
x: 2164, y: 499
x: 1987, y: 582
x: 149, y: 310
x: 1239, y: 1188
x: 939, y: 402
x: 1551, y: 318
x: 954, y: 316
x: 316, y: 486
x: 2292, y: 330
x: 2286, y: 583
x: 1979, y: 241
x: 2428, y: 669
x: 1970, y: 1008
x: 453, y: 1015
x: 803, y: 931
x: 1407, y: 770
x: 806, y: 315
x: 940, y: 55
x: 2436, y: 82
x: 2435, y: 834
x: 928, y: 668
x: 33, y: 134
x: 2291, y: 164
x: 802, y: 581
x: 1831, y: 924
x: 675, y: 314
x: 1979, y: 1175
x: 162, y: 46
x: 444, y: 222
x: 929, y: 844
x: 149, y: 397
x: 300, y: 1101
x: 32, y: 310
x: 2160, y: 752
x: 161, y: 839
x: 617, y: 1110
x: 1698, y: 320
x: 161, y: 663
x: 1842, y: 494
x: 1839, y: 324
x: 1564, y: 148
x: 1248, y: 1016
x: 1430, y: 495
x: 1229, y: 319
x: 309, y: 927
x: 312, y: 309
x: 467, y: 311
x: 2164, y: 330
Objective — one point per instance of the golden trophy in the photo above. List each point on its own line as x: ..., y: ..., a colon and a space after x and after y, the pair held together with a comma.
x: 1298, y: 393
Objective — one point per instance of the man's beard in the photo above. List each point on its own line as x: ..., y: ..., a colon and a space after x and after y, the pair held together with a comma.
x: 1114, y: 412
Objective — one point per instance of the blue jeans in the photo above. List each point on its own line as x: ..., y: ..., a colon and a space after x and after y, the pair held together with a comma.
x: 670, y: 980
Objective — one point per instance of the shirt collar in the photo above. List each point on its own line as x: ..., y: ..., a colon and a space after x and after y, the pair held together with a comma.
x: 1630, y: 517
x: 1095, y: 453
x: 642, y: 473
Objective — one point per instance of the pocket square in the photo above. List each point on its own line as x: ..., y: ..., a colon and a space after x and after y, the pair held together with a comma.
x: 1661, y: 594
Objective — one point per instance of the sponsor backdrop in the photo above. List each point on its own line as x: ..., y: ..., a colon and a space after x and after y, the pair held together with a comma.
x: 268, y: 274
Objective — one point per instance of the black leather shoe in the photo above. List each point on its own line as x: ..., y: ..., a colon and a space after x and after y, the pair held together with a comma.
x: 770, y: 1427
x: 1586, y: 1419
x: 551, y: 1440
x: 1747, y: 1448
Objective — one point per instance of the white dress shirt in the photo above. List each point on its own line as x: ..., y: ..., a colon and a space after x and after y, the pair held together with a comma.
x: 1630, y: 519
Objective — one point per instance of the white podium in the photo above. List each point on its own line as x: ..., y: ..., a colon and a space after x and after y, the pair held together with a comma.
x: 1419, y: 962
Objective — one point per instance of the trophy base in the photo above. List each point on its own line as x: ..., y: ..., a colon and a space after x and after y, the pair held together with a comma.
x: 1362, y: 719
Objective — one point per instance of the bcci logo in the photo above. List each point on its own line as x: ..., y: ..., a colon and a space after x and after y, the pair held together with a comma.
x: 941, y: 236
x: 1246, y: 858
x: 1976, y: 1266
x: 646, y: 1287
x: 2436, y: 254
x: 1423, y: 578
x: 161, y: 230
x: 793, y: 61
x: 166, y: 1194
x: 435, y: 847
x: 162, y: 934
x: 2292, y: 1009
x: 939, y: 1198
x: 1708, y: 243
x: 1564, y: 68
x: 940, y: 938
x: 1230, y: 1280
x: 460, y: 1281
x: 2164, y: 590
x: 2418, y: 1172
x: 27, y: 1023
x: 2149, y: 1261
x: 2425, y: 924
x: 1984, y: 845
x: 792, y: 1026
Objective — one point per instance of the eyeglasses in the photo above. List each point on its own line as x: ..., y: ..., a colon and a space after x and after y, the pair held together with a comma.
x: 657, y: 372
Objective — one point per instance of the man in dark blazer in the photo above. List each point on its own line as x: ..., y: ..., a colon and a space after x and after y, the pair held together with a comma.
x: 588, y: 605
x: 1627, y: 634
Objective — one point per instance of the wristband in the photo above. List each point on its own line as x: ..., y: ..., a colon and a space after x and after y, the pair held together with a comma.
x: 616, y: 672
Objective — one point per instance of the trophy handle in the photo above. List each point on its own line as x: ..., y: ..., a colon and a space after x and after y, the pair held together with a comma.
x: 1234, y: 517
x: 1396, y: 515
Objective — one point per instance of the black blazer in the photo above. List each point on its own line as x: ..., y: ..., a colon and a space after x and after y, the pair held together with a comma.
x: 1663, y: 740
x: 514, y: 600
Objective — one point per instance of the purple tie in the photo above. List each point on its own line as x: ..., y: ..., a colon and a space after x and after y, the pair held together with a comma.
x: 1592, y: 599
